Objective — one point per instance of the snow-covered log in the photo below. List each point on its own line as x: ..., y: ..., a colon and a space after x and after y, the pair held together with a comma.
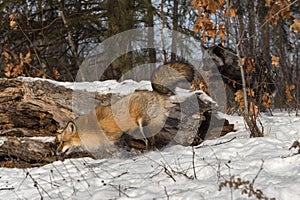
x: 38, y: 108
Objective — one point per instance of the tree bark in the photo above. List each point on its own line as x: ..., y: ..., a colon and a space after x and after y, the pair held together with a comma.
x: 174, y: 32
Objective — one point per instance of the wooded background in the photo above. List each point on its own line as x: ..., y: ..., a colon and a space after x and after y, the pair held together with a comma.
x: 50, y: 39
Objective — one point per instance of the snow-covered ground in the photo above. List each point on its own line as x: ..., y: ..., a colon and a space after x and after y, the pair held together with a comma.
x: 176, y: 172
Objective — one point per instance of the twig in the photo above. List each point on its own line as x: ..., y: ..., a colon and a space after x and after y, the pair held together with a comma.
x: 216, y: 144
x: 166, y: 192
x: 162, y: 32
x: 194, y: 170
x: 118, y: 188
x: 169, y: 173
x: 37, y: 186
x: 260, y: 169
x: 81, y: 175
x: 277, y: 13
x: 58, y: 171
x: 70, y: 39
x: 71, y: 179
x: 8, y: 188
x: 31, y: 43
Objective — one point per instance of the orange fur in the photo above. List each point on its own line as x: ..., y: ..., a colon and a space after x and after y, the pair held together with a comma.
x: 106, y: 124
x: 68, y: 139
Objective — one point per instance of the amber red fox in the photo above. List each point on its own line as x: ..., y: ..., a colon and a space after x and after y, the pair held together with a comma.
x: 142, y: 110
x: 141, y: 114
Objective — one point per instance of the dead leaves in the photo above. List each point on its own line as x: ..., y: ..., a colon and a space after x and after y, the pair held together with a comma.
x: 221, y: 31
x: 295, y: 26
x: 211, y: 27
x: 288, y: 90
x: 275, y: 60
x: 16, y: 64
x: 56, y: 73
x: 265, y: 101
x: 278, y: 10
x: 13, y: 23
x: 232, y: 12
x: 250, y: 64
x: 208, y: 5
x: 204, y: 24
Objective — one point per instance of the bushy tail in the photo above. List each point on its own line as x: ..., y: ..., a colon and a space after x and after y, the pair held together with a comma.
x: 167, y: 77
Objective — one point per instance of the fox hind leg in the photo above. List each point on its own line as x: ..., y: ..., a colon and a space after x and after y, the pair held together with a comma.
x: 140, y: 124
x: 143, y: 129
x: 149, y: 139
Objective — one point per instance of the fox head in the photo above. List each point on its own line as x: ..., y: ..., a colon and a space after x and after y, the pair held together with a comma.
x: 69, y: 139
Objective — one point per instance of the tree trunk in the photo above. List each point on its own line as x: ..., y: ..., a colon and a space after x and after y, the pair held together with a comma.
x: 150, y: 24
x: 174, y: 32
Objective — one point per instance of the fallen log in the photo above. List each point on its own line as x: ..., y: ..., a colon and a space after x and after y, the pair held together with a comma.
x: 30, y: 108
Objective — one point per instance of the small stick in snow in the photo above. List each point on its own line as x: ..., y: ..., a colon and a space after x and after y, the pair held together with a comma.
x: 216, y: 144
x: 8, y: 188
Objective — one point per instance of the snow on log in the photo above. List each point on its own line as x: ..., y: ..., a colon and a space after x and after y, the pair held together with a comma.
x: 32, y: 107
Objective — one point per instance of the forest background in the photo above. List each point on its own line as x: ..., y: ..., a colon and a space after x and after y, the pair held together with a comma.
x: 50, y: 39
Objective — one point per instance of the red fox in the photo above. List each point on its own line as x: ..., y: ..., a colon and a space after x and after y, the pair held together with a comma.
x: 141, y: 114
x: 142, y: 110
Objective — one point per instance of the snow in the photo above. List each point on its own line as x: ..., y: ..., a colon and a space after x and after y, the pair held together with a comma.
x: 2, y: 140
x: 110, y: 86
x: 43, y: 138
x: 182, y: 94
x: 123, y: 88
x: 176, y: 172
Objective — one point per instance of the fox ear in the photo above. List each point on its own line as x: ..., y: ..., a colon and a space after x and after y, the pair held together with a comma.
x: 71, y: 128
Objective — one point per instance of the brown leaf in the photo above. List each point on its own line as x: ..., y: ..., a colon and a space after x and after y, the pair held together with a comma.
x: 275, y: 61
x: 292, y: 87
x: 21, y: 56
x: 6, y: 56
x: 232, y: 12
x: 288, y: 93
x: 39, y: 73
x: 204, y: 37
x: 56, y: 73
x: 253, y: 109
x: 211, y: 33
x: 13, y: 24
x: 266, y: 100
x: 212, y: 6
x: 221, y: 34
x: 12, y: 16
x: 7, y: 74
x: 250, y: 92
x: 295, y: 26
x: 239, y: 97
x: 250, y: 66
x: 268, y: 3
x: 27, y: 58
x: 7, y: 69
x: 16, y: 71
